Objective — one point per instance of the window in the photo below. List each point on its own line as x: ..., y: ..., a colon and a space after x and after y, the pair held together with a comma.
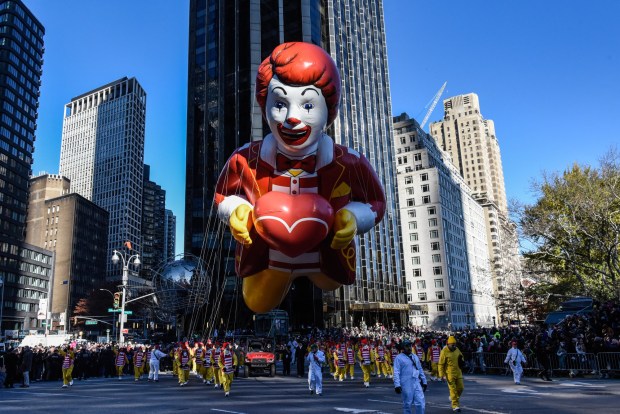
x: 415, y: 248
x: 438, y: 283
x: 436, y: 258
x: 409, y: 297
x: 411, y: 213
x: 435, y: 246
x: 431, y: 210
x: 413, y: 237
x: 421, y: 284
x: 417, y: 272
x: 408, y: 285
x: 432, y: 222
x: 413, y: 225
x: 437, y: 270
x: 425, y: 188
x: 409, y: 190
x: 410, y: 202
x: 422, y: 295
x: 426, y: 199
x: 424, y: 177
x: 441, y: 307
x: 415, y: 260
x: 434, y: 234
x: 408, y: 179
x: 417, y: 157
x: 439, y: 294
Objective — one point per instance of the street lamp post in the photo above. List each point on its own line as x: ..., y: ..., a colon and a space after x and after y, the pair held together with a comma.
x: 1, y: 304
x: 127, y: 260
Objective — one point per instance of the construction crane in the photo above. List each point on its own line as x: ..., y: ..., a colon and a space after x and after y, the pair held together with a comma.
x: 433, y: 105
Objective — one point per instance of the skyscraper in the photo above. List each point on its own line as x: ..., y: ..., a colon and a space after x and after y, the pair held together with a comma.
x: 153, y: 226
x: 170, y: 232
x: 102, y: 153
x: 444, y: 237
x: 21, y: 57
x: 228, y: 41
x: 471, y: 141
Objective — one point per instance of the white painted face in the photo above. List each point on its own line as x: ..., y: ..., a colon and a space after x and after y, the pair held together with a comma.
x: 297, y: 116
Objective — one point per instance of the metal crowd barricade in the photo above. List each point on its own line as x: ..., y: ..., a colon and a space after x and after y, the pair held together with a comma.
x: 494, y: 362
x: 608, y: 362
x: 574, y: 364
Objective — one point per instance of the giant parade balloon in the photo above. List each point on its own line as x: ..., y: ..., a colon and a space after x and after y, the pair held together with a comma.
x: 295, y: 200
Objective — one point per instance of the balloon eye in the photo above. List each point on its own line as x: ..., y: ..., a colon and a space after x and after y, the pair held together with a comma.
x: 279, y: 105
x: 308, y: 106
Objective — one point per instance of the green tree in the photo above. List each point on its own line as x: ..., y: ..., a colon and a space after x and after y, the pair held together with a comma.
x: 573, y: 230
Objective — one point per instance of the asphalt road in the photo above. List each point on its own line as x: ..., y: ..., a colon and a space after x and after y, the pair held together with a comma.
x: 257, y: 395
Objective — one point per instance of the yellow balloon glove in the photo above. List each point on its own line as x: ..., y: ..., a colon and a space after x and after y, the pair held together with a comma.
x: 345, y: 228
x: 241, y: 223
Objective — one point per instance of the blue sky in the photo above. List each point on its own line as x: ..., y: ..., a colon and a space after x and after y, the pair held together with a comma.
x: 547, y: 72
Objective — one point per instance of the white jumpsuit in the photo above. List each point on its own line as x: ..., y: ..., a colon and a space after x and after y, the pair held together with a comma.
x: 156, y: 355
x: 515, y: 358
x: 407, y: 374
x: 315, y: 375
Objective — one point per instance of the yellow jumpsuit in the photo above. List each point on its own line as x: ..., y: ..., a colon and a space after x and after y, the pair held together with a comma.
x: 121, y: 358
x: 227, y: 372
x: 340, y: 362
x: 350, y: 358
x: 66, y: 372
x: 381, y: 362
x: 449, y: 367
x: 433, y: 356
x: 184, y: 362
x: 365, y: 363
x: 138, y: 366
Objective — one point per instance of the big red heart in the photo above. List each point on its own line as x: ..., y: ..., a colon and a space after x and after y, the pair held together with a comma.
x: 293, y: 224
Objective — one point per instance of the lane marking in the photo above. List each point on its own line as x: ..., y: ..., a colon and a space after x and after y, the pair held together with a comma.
x: 226, y: 411
x: 385, y: 401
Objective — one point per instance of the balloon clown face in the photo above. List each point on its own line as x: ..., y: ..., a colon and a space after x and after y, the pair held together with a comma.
x: 295, y: 200
x: 297, y: 116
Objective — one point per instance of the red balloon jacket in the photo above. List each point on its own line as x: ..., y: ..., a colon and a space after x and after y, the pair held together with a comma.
x: 345, y: 179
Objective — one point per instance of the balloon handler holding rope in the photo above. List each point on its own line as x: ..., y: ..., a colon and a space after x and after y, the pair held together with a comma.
x: 295, y: 200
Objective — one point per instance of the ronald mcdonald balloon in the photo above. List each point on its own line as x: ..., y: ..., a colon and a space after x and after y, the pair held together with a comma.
x: 295, y: 200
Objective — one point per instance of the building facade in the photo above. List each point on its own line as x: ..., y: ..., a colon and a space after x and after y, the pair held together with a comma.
x: 76, y: 230
x: 102, y: 153
x: 471, y: 141
x: 170, y: 240
x: 21, y: 62
x: 25, y: 282
x: 228, y: 41
x: 443, y: 234
x: 153, y: 226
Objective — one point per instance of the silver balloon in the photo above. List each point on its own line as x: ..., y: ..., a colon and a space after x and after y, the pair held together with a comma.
x: 181, y: 286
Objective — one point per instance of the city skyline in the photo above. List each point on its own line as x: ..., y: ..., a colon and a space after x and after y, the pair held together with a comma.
x: 557, y: 65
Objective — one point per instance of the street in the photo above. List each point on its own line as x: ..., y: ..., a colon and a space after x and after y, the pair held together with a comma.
x: 483, y: 394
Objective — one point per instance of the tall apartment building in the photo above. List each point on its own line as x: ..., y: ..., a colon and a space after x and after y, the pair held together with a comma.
x: 473, y: 145
x: 228, y: 41
x: 102, y: 153
x: 76, y: 230
x: 443, y: 234
x: 170, y: 232
x: 21, y: 61
x: 153, y: 226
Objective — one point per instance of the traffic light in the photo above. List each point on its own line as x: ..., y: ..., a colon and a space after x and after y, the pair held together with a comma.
x: 117, y: 299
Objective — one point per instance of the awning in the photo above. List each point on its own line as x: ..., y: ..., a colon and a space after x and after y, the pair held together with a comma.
x: 376, y: 306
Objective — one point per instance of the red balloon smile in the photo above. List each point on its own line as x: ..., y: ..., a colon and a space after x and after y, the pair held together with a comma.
x: 294, y: 136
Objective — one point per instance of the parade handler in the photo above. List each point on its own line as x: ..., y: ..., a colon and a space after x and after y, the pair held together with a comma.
x: 316, y: 358
x: 450, y: 361
x: 295, y: 200
x: 227, y: 363
x: 515, y: 359
x: 409, y: 379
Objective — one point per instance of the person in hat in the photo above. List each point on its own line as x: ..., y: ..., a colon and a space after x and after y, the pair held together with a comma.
x: 365, y: 358
x: 138, y: 363
x: 184, y: 362
x: 227, y: 363
x: 515, y: 359
x: 156, y: 355
x: 120, y: 361
x: 316, y: 358
x: 68, y: 358
x: 450, y: 362
x: 409, y: 380
x: 433, y: 356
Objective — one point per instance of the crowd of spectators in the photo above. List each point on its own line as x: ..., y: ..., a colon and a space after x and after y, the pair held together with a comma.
x: 596, y: 332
